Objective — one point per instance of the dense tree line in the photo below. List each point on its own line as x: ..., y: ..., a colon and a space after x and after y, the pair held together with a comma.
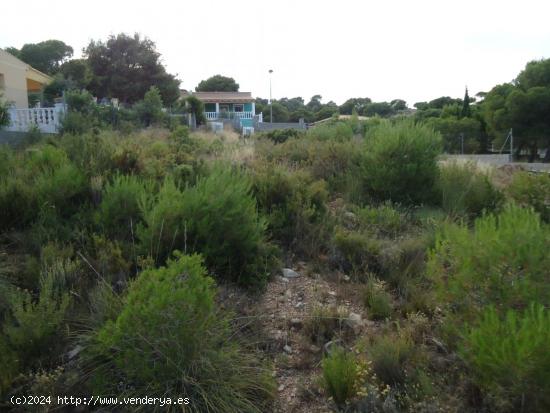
x: 123, y: 67
x: 126, y: 67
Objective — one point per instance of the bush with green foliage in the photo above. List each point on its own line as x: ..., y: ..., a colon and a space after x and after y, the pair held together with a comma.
x: 384, y: 220
x: 400, y: 162
x: 509, y: 358
x: 169, y: 338
x: 82, y: 113
x: 149, y: 110
x: 532, y: 190
x: 378, y: 301
x: 294, y: 205
x: 217, y: 217
x: 119, y: 212
x: 390, y: 355
x: 358, y: 251
x: 4, y: 115
x: 323, y: 323
x: 62, y: 189
x: 466, y: 191
x: 195, y: 106
x: 41, y: 180
x: 32, y: 136
x: 504, y: 261
x: 76, y: 123
x: 80, y: 101
x: 281, y: 135
x: 31, y: 327
x: 340, y: 374
x: 92, y: 154
x: 337, y: 131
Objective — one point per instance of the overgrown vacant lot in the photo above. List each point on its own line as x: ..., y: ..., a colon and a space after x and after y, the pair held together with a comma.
x: 342, y: 269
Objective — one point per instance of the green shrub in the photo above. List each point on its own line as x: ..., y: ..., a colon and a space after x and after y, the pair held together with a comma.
x: 282, y: 135
x: 18, y: 202
x: 169, y: 338
x: 76, y: 123
x: 119, y: 212
x: 357, y: 251
x: 377, y: 299
x: 339, y: 131
x: 218, y: 218
x: 532, y: 190
x: 294, y: 205
x: 181, y: 135
x: 504, y: 261
x: 164, y: 227
x: 91, y: 153
x: 340, y: 374
x: 466, y: 191
x: 149, y: 110
x: 42, y: 180
x: 107, y: 258
x: 336, y: 162
x: 30, y: 330
x: 509, y: 358
x: 223, y: 224
x: 80, y: 101
x: 63, y: 189
x: 42, y: 159
x: 323, y: 323
x: 4, y: 114
x: 32, y: 136
x: 400, y: 162
x: 127, y: 158
x: 390, y: 355
x: 384, y: 220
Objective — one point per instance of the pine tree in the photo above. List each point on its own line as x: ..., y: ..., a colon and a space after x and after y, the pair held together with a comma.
x: 466, y: 105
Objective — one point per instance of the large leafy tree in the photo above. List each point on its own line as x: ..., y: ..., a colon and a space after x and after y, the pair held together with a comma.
x: 457, y: 131
x: 382, y: 109
x: 357, y: 104
x: 45, y: 56
x: 302, y: 113
x: 442, y: 101
x: 466, y: 112
x: 314, y: 103
x: 523, y: 106
x: 292, y: 104
x: 218, y: 83
x: 125, y: 67
x: 536, y: 73
x: 77, y: 71
x: 280, y: 113
x: 398, y: 104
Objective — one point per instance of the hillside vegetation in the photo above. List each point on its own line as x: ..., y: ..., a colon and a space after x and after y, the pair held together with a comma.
x: 145, y: 263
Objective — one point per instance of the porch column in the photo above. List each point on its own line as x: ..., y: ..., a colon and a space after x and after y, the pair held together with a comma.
x: 253, y: 109
x: 217, y: 109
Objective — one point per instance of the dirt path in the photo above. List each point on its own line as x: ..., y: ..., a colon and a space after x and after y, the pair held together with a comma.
x: 287, y: 306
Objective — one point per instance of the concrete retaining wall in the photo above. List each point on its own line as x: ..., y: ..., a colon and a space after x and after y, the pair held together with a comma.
x: 490, y: 158
x: 496, y: 160
x: 265, y: 126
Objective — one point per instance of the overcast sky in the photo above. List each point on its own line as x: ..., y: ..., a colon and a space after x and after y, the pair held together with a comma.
x: 413, y: 50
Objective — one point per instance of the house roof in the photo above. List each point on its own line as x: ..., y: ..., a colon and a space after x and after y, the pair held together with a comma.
x: 38, y: 76
x: 224, y: 97
x: 32, y: 74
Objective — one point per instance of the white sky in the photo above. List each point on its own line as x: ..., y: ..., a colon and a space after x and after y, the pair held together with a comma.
x: 413, y: 50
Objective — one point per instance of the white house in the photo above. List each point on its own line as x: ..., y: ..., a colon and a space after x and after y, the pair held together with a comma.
x: 17, y: 80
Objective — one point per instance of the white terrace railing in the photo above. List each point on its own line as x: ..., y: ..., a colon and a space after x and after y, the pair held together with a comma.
x: 47, y: 120
x: 228, y: 115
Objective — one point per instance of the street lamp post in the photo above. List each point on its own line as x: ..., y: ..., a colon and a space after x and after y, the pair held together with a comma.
x: 270, y: 100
